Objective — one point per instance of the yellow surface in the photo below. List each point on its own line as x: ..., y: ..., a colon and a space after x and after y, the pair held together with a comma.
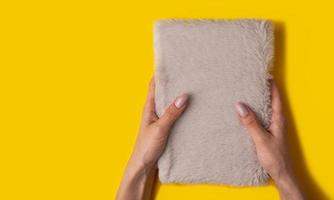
x: 74, y: 76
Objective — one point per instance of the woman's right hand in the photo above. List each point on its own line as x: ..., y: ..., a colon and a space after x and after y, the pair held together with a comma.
x: 271, y: 146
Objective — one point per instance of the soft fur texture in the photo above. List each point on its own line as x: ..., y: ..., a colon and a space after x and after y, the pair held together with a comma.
x: 217, y: 62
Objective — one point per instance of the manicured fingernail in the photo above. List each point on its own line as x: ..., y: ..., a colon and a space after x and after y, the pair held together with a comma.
x: 181, y: 100
x: 241, y: 109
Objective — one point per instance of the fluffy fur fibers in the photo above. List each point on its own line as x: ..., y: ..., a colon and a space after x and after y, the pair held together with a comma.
x: 217, y: 62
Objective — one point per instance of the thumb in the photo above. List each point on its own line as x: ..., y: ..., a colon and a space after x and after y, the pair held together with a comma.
x: 173, y: 112
x: 250, y: 121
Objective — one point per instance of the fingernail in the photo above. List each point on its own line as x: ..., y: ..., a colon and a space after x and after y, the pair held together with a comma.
x: 241, y: 109
x: 181, y: 100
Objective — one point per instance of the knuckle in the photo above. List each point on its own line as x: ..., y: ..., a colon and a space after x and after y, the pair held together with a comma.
x: 171, y: 112
x: 250, y: 121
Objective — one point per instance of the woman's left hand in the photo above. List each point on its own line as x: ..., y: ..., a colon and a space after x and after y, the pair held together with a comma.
x: 150, y: 144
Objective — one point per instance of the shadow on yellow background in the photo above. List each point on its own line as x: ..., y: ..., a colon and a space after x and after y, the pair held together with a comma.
x: 308, y: 183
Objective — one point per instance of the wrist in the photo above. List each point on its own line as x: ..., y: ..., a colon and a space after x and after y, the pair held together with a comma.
x: 137, y: 169
x: 288, y: 187
x: 135, y: 179
x: 138, y: 163
x: 284, y: 181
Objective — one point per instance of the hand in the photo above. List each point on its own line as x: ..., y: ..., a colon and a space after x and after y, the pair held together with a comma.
x: 271, y: 145
x: 150, y: 144
x: 154, y: 132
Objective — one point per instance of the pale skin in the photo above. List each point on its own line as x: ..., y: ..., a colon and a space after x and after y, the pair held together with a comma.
x: 271, y: 147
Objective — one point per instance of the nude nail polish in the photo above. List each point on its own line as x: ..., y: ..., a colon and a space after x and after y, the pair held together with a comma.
x: 181, y: 100
x: 241, y: 109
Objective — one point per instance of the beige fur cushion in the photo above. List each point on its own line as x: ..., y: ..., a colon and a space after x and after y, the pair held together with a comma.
x: 217, y: 62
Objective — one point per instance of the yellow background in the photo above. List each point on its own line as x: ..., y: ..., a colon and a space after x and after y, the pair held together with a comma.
x: 74, y: 76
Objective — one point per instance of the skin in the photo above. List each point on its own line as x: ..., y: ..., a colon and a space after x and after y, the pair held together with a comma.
x: 271, y: 147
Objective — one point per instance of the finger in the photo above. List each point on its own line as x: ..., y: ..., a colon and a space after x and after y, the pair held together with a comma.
x: 277, y: 119
x: 276, y: 98
x: 173, y: 112
x: 149, y: 114
x: 249, y: 120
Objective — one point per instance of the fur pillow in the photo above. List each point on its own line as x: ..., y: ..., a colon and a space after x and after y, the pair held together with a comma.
x: 217, y: 62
